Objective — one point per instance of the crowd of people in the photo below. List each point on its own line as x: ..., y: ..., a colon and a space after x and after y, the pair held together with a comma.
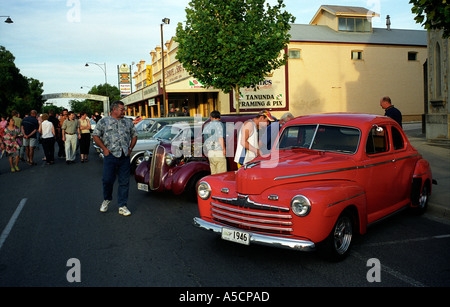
x: 20, y: 137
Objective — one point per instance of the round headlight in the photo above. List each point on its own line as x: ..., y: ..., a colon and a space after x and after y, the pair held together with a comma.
x: 169, y: 159
x: 147, y: 155
x: 204, y: 190
x: 300, y: 205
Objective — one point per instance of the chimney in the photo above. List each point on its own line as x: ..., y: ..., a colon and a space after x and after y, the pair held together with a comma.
x: 388, y: 22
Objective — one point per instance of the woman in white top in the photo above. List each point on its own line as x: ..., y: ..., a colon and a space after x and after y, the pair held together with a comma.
x: 247, y: 147
x: 47, y: 131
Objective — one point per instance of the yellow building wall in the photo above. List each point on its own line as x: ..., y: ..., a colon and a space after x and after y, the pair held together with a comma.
x: 326, y: 79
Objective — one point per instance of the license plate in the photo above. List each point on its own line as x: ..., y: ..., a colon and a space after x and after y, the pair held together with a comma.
x: 143, y: 187
x: 236, y: 236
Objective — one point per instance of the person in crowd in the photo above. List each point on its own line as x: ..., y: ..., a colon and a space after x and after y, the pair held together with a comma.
x: 17, y: 119
x: 59, y: 134
x: 30, y: 126
x: 18, y: 122
x: 47, y: 131
x: 97, y: 117
x: 390, y: 110
x: 271, y: 133
x: 116, y: 136
x: 247, y: 147
x: 9, y: 143
x: 70, y: 135
x: 85, y: 127
x: 214, y: 144
x: 38, y: 134
x: 52, y: 117
x: 3, y: 122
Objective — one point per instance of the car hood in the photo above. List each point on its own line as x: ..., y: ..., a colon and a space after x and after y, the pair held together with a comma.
x: 149, y: 144
x: 293, y: 166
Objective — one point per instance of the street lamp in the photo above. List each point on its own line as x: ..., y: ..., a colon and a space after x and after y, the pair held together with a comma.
x: 164, y: 21
x: 105, y: 106
x: 8, y: 20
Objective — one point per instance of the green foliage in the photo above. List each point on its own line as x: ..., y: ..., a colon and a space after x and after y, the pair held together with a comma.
x: 92, y: 106
x: 17, y: 91
x: 432, y: 14
x: 233, y: 44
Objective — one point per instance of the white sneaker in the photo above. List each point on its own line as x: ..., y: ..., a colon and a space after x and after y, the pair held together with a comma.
x: 124, y: 211
x: 104, y: 206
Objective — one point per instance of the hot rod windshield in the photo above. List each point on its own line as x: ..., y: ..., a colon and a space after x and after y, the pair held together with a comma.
x: 321, y: 137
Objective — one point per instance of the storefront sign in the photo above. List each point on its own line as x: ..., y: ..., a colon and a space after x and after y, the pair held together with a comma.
x: 270, y: 94
x: 175, y: 73
x: 124, y: 79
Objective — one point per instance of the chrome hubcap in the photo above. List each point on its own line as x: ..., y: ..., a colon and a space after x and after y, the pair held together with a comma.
x: 343, y: 235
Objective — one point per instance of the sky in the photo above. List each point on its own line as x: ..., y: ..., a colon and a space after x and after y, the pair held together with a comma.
x: 52, y: 40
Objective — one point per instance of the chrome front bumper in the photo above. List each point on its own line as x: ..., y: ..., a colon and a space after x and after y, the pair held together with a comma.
x: 255, y: 238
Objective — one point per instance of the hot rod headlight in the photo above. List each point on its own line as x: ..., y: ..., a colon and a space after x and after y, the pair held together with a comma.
x: 147, y: 155
x: 204, y: 190
x: 169, y: 159
x: 300, y: 205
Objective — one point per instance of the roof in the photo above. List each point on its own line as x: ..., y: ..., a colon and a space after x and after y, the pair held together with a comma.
x: 379, y: 36
x: 351, y: 11
x: 346, y: 119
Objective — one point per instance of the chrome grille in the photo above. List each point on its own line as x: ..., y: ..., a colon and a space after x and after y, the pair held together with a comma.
x: 245, y: 214
x: 156, y: 167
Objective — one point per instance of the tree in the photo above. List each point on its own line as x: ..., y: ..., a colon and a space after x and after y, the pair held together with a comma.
x: 432, y: 14
x: 111, y: 91
x: 17, y: 91
x: 233, y: 44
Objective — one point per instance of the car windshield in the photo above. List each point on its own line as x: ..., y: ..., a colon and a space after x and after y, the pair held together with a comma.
x: 167, y: 132
x: 144, y: 125
x: 321, y: 138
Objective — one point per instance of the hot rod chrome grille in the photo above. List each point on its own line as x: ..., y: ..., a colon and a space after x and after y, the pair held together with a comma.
x: 156, y: 167
x: 245, y: 214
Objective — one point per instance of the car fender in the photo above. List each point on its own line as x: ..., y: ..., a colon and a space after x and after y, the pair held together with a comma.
x: 328, y: 200
x: 142, y: 172
x: 181, y: 177
x: 422, y: 170
x: 422, y: 174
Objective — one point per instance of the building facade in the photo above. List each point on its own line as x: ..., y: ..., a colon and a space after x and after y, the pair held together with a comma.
x: 437, y: 116
x: 337, y: 63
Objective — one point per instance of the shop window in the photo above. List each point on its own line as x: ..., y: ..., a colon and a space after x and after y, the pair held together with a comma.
x: 294, y: 54
x: 354, y: 25
x: 357, y: 55
x: 412, y: 56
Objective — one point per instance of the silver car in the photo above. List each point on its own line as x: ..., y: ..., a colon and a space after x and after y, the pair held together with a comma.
x: 166, y: 134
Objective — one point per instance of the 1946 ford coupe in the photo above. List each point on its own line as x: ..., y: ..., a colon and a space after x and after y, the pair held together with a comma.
x: 326, y: 179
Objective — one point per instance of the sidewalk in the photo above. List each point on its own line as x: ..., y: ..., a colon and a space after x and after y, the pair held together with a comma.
x: 438, y: 155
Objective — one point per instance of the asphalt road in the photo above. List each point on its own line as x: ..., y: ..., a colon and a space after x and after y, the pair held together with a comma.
x: 53, y: 235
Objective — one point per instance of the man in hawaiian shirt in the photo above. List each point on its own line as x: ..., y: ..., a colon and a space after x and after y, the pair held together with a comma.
x: 116, y: 136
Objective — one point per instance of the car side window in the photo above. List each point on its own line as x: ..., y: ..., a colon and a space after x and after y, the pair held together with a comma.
x: 377, y: 141
x: 397, y: 139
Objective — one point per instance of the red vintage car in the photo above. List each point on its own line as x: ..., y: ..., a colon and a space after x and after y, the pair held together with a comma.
x: 327, y: 178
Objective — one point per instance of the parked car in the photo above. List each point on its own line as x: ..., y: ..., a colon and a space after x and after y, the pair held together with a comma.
x: 178, y: 166
x: 328, y: 177
x: 146, y: 146
x: 148, y: 127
